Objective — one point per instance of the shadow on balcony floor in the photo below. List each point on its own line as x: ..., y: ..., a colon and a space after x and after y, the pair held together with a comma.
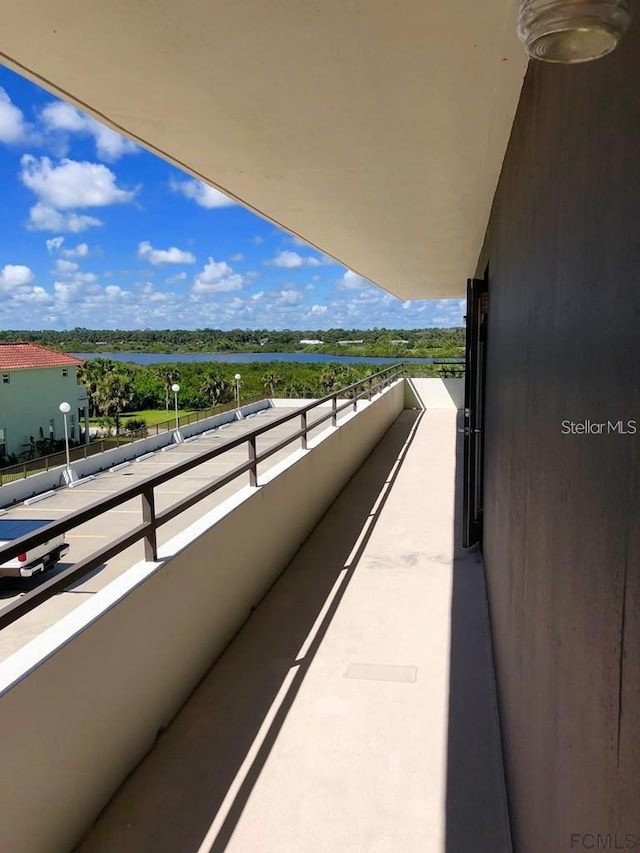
x: 328, y: 723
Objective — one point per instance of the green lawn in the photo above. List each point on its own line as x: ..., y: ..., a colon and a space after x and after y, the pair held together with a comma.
x: 155, y: 416
x: 150, y: 416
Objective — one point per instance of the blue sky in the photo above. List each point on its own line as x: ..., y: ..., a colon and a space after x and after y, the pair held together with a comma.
x: 97, y: 232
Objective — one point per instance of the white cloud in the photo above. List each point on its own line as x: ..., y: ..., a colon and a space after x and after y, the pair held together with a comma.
x: 114, y: 293
x: 257, y: 240
x: 45, y: 218
x: 64, y: 267
x: 58, y: 115
x: 237, y: 257
x: 14, y: 130
x: 72, y: 183
x: 319, y: 310
x: 80, y: 251
x: 15, y: 275
x: 352, y: 281
x: 216, y: 277
x: 164, y: 256
x: 290, y: 296
x: 110, y: 146
x: 54, y: 244
x: 292, y: 260
x: 176, y: 279
x: 33, y: 296
x: 202, y: 194
x: 72, y: 291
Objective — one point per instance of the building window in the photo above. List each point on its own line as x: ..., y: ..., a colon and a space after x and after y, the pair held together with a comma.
x: 52, y: 429
x: 72, y: 420
x: 6, y: 378
x: 3, y: 443
x: 65, y: 371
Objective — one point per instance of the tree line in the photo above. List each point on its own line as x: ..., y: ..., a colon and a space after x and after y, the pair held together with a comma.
x: 115, y: 388
x: 375, y: 342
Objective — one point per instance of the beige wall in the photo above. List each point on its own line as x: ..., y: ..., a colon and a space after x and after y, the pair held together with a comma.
x: 434, y: 393
x: 81, y: 705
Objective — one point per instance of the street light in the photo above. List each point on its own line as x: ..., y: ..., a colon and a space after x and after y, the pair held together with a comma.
x: 65, y: 408
x: 237, y: 378
x: 175, y: 388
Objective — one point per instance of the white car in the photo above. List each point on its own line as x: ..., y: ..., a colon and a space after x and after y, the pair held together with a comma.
x: 36, y: 559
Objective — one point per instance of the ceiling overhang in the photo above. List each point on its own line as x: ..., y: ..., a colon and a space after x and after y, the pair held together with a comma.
x: 373, y: 130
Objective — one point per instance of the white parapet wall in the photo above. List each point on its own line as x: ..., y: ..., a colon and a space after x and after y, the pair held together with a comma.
x: 434, y: 393
x: 83, y: 703
x: 19, y: 490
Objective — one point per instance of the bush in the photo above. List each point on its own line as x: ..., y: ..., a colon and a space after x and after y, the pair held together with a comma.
x: 136, y: 425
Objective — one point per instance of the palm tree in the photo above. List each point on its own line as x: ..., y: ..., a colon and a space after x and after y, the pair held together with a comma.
x: 168, y: 375
x: 329, y: 379
x: 214, y: 386
x: 90, y: 374
x: 113, y: 394
x: 270, y: 380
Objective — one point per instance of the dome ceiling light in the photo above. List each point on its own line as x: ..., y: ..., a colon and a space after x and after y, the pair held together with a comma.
x: 570, y: 31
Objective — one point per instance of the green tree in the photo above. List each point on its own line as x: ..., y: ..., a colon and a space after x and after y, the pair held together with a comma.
x: 168, y: 374
x: 270, y: 381
x: 113, y: 394
x: 215, y: 387
x: 91, y: 374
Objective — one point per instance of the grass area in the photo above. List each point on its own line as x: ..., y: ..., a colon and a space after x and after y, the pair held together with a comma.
x: 150, y: 416
x: 155, y: 416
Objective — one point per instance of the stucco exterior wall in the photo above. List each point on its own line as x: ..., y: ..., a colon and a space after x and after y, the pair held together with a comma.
x: 31, y: 399
x: 562, y: 520
x: 83, y: 702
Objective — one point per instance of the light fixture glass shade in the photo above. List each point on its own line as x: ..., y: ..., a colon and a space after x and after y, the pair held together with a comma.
x: 572, y: 30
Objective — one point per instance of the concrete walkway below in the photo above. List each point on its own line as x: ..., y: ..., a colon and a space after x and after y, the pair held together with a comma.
x: 356, y: 709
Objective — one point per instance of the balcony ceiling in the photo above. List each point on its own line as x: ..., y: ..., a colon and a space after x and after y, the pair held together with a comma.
x: 373, y: 129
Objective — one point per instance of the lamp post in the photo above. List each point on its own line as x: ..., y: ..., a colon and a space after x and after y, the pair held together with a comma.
x: 237, y: 378
x: 65, y: 408
x: 175, y: 388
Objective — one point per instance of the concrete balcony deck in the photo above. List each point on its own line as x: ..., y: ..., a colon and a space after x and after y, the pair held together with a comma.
x: 356, y: 709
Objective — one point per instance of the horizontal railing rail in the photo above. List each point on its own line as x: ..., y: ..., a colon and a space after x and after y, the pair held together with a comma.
x: 28, y: 467
x: 144, y: 489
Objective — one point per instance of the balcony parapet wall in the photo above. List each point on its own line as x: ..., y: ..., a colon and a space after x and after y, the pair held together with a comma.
x: 83, y: 703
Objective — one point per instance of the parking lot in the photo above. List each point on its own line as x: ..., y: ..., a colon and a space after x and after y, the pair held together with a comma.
x: 89, y: 537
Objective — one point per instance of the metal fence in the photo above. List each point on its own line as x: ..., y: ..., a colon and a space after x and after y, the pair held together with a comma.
x: 23, y: 469
x: 146, y: 530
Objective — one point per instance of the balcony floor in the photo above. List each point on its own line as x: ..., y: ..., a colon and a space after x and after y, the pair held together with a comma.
x: 356, y: 709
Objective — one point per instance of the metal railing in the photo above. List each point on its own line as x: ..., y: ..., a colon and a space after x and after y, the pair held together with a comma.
x: 27, y: 467
x: 144, y: 489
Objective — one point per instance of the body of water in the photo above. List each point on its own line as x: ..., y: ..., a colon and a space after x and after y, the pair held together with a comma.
x: 244, y: 357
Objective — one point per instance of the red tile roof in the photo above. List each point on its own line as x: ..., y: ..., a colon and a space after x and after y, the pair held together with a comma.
x: 23, y: 356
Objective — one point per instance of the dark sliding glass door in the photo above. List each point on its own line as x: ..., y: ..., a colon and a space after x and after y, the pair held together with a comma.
x: 477, y: 321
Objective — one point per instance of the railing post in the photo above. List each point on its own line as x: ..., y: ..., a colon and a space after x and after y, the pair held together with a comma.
x: 334, y: 410
x: 149, y: 515
x: 24, y: 470
x: 355, y: 398
x: 303, y: 425
x: 253, y: 471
